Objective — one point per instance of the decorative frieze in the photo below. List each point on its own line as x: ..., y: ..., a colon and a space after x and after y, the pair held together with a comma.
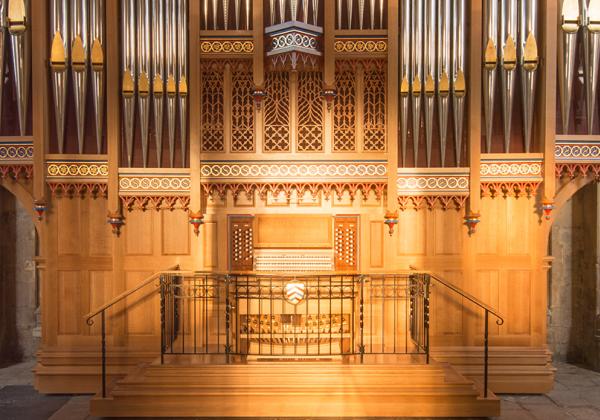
x: 369, y: 46
x: 577, y: 158
x: 226, y: 46
x: 322, y: 171
x: 154, y: 184
x: 511, y: 176
x: 77, y: 177
x: 16, y: 152
x: 431, y: 188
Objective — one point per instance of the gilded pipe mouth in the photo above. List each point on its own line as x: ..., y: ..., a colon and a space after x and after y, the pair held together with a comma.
x: 570, y: 26
x: 157, y: 86
x: 17, y: 17
x: 171, y: 87
x: 490, y: 55
x: 429, y: 86
x: 58, y: 56
x: 509, y: 55
x: 404, y: 87
x: 183, y: 87
x: 143, y: 85
x: 530, y: 54
x: 594, y: 26
x: 97, y: 56
x: 78, y: 55
x: 127, y: 88
x: 460, y: 85
x: 444, y: 85
x: 416, y: 87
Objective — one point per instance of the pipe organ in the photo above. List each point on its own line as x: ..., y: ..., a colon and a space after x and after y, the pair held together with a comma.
x: 313, y: 126
x: 15, y: 52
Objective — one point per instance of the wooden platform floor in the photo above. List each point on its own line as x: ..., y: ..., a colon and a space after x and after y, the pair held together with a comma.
x: 395, y: 387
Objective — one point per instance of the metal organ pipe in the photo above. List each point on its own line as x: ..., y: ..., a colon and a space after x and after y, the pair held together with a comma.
x: 443, y: 72
x: 182, y: 89
x: 528, y: 60
x: 158, y: 72
x: 20, y: 40
x: 3, y: 25
x: 143, y: 72
x: 590, y: 23
x: 129, y: 71
x: 508, y: 36
x: 171, y: 63
x: 59, y: 33
x: 79, y: 63
x: 569, y: 25
x: 405, y: 75
x: 490, y: 33
x: 429, y: 58
x: 459, y: 64
x: 416, y: 71
x: 225, y: 4
x: 97, y: 62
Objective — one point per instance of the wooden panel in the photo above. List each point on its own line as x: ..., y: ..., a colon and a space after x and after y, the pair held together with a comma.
x: 448, y: 232
x: 99, y: 231
x: 294, y: 231
x: 175, y: 232
x: 100, y: 285
x: 241, y: 243
x: 141, y: 305
x: 485, y: 288
x: 138, y: 231
x: 346, y: 243
x: 68, y: 217
x: 517, y: 238
x: 487, y: 237
x: 209, y: 245
x: 69, y: 302
x: 412, y: 237
x: 515, y: 289
x: 376, y: 244
x: 448, y: 306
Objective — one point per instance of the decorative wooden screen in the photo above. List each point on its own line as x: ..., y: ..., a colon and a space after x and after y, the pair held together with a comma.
x: 344, y: 110
x: 346, y: 243
x: 374, y: 107
x: 241, y: 243
x: 212, y: 116
x: 242, y: 108
x: 310, y: 112
x: 277, y: 112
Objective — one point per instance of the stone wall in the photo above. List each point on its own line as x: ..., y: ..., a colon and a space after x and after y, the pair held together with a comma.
x: 18, y: 299
x: 574, y: 281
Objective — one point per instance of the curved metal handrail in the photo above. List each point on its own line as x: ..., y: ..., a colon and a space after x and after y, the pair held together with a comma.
x: 89, y: 318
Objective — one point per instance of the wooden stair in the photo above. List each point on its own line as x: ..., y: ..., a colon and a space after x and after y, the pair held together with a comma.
x: 302, y: 389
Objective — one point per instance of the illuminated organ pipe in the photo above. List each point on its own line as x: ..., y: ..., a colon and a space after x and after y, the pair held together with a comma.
x: 349, y: 5
x: 361, y: 13
x: 508, y: 37
x: 97, y: 62
x: 238, y: 11
x: 459, y: 64
x: 405, y: 76
x: 590, y: 22
x: 3, y: 25
x: 158, y: 72
x: 569, y: 25
x: 182, y: 89
x: 528, y: 60
x: 225, y: 4
x: 305, y: 11
x: 372, y: 10
x: 315, y: 4
x: 443, y: 72
x: 79, y: 63
x: 490, y: 64
x: 416, y: 72
x: 171, y: 64
x: 143, y: 72
x: 20, y: 40
x: 59, y: 27
x: 429, y: 55
x: 129, y: 71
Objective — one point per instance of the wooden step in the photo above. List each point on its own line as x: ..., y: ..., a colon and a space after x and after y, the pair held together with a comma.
x: 301, y: 389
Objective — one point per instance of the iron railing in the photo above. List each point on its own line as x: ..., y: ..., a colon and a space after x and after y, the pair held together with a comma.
x: 315, y: 315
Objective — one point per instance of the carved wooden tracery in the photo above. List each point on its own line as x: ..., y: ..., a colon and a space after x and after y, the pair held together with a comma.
x: 344, y: 110
x: 310, y: 112
x: 212, y: 115
x: 374, y: 106
x: 242, y: 108
x: 277, y: 112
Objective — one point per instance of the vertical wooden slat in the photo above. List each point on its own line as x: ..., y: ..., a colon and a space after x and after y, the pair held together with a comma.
x: 194, y: 94
x: 39, y: 34
x: 328, y: 71
x: 392, y: 105
x: 474, y: 102
x: 258, y: 67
